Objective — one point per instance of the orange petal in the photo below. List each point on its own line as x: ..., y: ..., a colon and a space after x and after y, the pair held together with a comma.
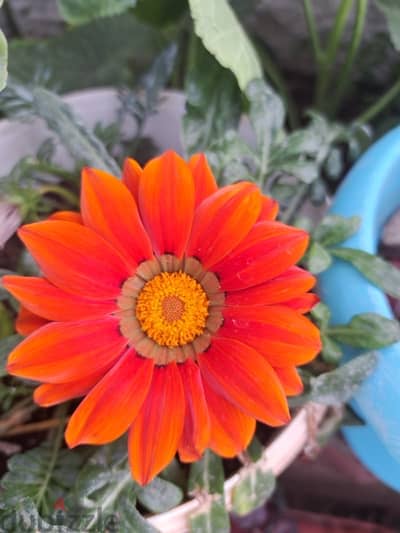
x: 131, y: 175
x: 231, y: 429
x: 166, y: 200
x: 27, y: 322
x: 240, y: 374
x: 290, y: 379
x: 291, y: 284
x: 269, y: 210
x: 111, y: 406
x: 156, y: 431
x: 283, y: 336
x: 302, y: 304
x: 52, y: 303
x: 75, y: 258
x: 268, y: 251
x: 222, y: 221
x: 204, y: 181
x: 67, y: 216
x: 50, y: 394
x: 110, y: 210
x: 67, y: 351
x: 196, y: 429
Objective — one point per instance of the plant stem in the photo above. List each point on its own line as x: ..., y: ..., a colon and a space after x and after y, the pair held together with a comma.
x: 378, y: 106
x: 62, y: 411
x: 69, y: 196
x: 335, y: 36
x: 312, y: 30
x: 54, y: 170
x: 344, y: 77
x: 295, y: 203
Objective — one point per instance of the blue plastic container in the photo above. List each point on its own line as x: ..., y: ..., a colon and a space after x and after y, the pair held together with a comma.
x: 372, y: 191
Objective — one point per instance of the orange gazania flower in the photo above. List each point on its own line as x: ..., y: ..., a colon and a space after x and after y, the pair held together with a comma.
x: 173, y: 306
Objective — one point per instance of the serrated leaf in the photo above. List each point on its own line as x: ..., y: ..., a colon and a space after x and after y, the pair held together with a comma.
x: 331, y: 351
x: 318, y: 258
x: 380, y: 272
x: 159, y: 495
x: 70, y: 61
x: 339, y: 385
x: 3, y: 60
x: 334, y: 229
x: 223, y: 36
x: 6, y: 346
x: 213, y: 102
x: 305, y: 171
x: 252, y: 490
x: 81, y: 11
x: 212, y: 517
x: 391, y: 11
x: 367, y: 330
x: 77, y: 139
x: 207, y: 475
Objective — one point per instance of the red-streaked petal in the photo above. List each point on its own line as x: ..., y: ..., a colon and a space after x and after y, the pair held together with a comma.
x: 222, y: 221
x: 196, y: 429
x: 50, y: 394
x: 231, y: 429
x: 67, y: 216
x: 75, y: 258
x: 67, y: 351
x: 156, y: 431
x: 111, y: 406
x: 239, y: 373
x: 131, y: 175
x: 166, y: 200
x: 283, y: 336
x: 302, y: 304
x: 290, y: 379
x: 204, y: 181
x: 291, y: 284
x: 268, y: 251
x: 52, y: 303
x: 27, y: 322
x: 110, y: 210
x: 269, y: 210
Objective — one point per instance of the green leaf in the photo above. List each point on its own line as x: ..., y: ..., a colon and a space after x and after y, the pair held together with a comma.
x: 160, y: 12
x: 81, y: 11
x: 207, y: 475
x: 3, y: 60
x: 306, y: 171
x: 130, y: 520
x: 253, y: 489
x: 43, y: 474
x: 367, y: 330
x: 213, y: 102
x: 334, y: 164
x: 111, y: 51
x: 159, y: 495
x: 267, y: 116
x: 211, y: 518
x: 334, y: 229
x: 391, y: 11
x: 317, y: 259
x: 223, y: 36
x: 321, y: 315
x: 6, y: 346
x: 331, y: 351
x: 81, y: 143
x: 338, y: 386
x: 380, y: 272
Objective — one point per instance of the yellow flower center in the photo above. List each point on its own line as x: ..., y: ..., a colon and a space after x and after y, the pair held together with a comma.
x: 172, y: 309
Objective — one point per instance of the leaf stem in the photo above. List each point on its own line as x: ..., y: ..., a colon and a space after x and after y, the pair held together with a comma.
x: 326, y: 65
x: 61, y: 413
x: 312, y: 30
x: 380, y: 105
x: 295, y: 203
x: 344, y: 77
x: 69, y: 196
